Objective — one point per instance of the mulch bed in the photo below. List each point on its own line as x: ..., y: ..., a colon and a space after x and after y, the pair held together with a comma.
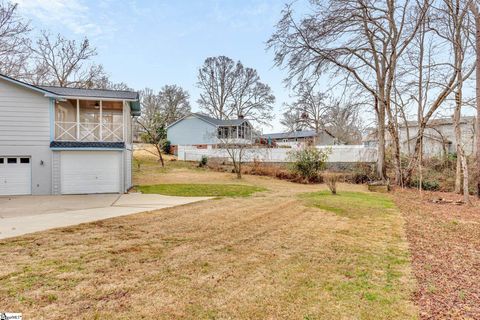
x: 444, y: 242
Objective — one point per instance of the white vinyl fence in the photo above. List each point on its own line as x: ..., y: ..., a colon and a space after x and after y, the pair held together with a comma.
x: 338, y: 154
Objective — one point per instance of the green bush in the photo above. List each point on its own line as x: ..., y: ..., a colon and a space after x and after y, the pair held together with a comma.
x: 166, y: 147
x: 308, y: 162
x: 203, y: 161
x: 429, y: 185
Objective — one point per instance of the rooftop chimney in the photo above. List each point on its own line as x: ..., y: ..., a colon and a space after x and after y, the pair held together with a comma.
x: 241, y: 116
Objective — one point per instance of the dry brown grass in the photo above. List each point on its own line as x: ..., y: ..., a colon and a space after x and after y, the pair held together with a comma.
x: 268, y: 256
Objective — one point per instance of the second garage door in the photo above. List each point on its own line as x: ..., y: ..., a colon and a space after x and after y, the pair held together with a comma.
x: 84, y: 172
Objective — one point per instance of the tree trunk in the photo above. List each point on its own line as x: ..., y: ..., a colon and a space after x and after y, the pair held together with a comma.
x: 458, y: 174
x: 160, y: 158
x: 381, y: 168
x: 477, y: 47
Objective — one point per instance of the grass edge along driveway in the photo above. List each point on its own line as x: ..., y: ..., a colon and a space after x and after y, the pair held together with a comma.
x: 201, y: 190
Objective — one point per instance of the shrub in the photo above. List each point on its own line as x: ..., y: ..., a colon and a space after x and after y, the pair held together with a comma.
x: 166, y: 147
x: 429, y: 185
x: 203, y: 161
x: 331, y: 179
x: 308, y: 162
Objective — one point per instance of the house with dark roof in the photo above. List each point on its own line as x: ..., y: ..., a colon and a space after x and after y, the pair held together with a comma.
x: 57, y: 140
x: 202, y: 131
x: 299, y: 138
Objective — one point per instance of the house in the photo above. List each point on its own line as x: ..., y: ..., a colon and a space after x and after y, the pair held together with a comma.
x: 439, y: 136
x: 203, y: 132
x: 64, y: 141
x: 299, y: 138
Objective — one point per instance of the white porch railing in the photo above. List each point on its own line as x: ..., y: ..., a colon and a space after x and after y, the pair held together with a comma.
x: 88, y: 131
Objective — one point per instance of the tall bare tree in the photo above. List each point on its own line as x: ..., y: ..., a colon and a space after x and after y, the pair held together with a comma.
x: 230, y: 90
x: 312, y: 107
x: 359, y: 38
x: 14, y: 43
x: 292, y: 120
x: 343, y: 122
x: 174, y: 103
x: 476, y: 14
x: 65, y: 63
x: 457, y: 13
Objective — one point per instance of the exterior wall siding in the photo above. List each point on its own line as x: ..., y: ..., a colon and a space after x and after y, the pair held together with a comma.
x: 25, y: 130
x: 192, y: 131
x: 128, y: 169
x: 433, y: 137
x: 56, y: 169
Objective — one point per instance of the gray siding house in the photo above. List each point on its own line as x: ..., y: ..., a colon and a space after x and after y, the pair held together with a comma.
x: 64, y: 141
x: 203, y: 131
x: 299, y: 138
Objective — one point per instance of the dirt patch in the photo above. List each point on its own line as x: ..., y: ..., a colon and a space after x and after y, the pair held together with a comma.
x: 445, y: 245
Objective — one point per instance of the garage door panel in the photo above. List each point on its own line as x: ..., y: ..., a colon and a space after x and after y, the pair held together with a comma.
x: 15, y: 178
x: 90, y: 172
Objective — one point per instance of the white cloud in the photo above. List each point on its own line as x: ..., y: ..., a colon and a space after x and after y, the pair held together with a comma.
x: 70, y: 14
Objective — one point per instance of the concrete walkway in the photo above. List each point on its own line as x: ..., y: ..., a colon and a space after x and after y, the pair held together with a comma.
x: 16, y: 221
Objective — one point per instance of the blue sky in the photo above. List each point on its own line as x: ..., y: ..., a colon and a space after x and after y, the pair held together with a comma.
x: 153, y: 43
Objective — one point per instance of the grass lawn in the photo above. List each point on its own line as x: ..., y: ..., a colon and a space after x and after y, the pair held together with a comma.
x: 291, y: 252
x: 201, y: 190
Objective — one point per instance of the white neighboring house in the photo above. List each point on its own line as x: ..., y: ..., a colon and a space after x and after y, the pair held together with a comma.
x: 439, y: 136
x: 202, y: 131
x: 63, y: 140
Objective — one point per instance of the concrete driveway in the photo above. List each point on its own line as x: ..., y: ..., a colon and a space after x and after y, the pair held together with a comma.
x: 25, y: 214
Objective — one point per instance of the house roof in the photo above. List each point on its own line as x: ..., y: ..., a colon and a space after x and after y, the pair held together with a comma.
x: 212, y: 121
x: 291, y: 134
x: 91, y: 93
x: 441, y: 121
x: 62, y: 92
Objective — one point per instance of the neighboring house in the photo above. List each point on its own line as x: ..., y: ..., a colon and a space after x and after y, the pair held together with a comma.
x: 439, y: 136
x: 203, y: 131
x: 64, y: 141
x: 299, y: 138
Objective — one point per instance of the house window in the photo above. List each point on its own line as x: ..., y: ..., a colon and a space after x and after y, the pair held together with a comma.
x: 12, y: 160
x: 24, y: 160
x: 222, y: 133
x: 1, y: 160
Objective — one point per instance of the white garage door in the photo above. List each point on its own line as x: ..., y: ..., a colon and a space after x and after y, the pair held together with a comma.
x: 15, y: 175
x: 84, y: 172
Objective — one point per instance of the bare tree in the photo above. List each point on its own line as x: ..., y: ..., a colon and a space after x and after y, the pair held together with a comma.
x: 217, y: 80
x: 14, y: 44
x: 476, y: 14
x: 359, y: 38
x: 251, y: 98
x: 311, y: 105
x: 62, y: 62
x: 292, y: 120
x: 174, y: 103
x: 230, y: 90
x: 152, y: 123
x: 238, y: 151
x: 343, y: 122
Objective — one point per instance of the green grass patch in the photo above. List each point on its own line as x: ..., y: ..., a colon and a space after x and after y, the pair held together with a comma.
x: 201, y: 190
x: 349, y: 204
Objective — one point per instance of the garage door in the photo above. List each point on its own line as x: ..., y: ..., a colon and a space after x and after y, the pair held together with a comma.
x: 15, y: 175
x: 90, y: 172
